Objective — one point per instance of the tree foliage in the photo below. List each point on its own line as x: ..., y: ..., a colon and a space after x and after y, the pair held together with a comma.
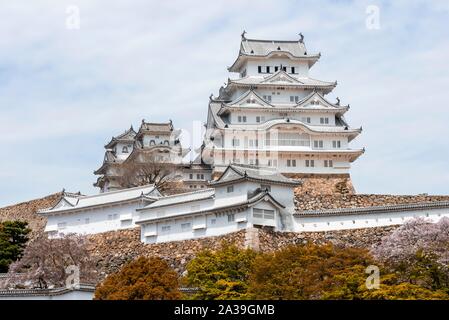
x: 45, y: 262
x: 304, y: 271
x: 141, y: 279
x: 221, y: 274
x: 418, y: 252
x: 13, y: 238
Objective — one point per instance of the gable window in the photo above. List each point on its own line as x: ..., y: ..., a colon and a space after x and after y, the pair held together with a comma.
x: 231, y: 218
x: 263, y: 214
x: 125, y: 149
x: 230, y: 189
x: 152, y: 143
x: 265, y: 187
x: 166, y: 142
x: 310, y: 163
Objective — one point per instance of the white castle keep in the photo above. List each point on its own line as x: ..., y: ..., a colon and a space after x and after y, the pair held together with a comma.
x: 274, y: 114
x: 267, y: 126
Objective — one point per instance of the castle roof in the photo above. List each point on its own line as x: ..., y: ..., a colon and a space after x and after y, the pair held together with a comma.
x: 73, y: 203
x: 238, y: 172
x: 295, y: 49
x: 232, y: 205
x: 127, y: 136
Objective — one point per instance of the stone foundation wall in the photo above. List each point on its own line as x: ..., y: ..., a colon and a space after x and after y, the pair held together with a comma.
x: 113, y: 249
x: 318, y: 184
x: 26, y: 211
x: 305, y: 201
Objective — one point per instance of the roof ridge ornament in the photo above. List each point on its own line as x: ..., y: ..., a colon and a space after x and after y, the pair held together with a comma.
x: 301, y: 39
x: 338, y: 101
x: 243, y: 35
x: 211, y: 97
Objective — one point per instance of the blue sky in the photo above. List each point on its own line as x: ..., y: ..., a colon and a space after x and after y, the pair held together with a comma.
x: 64, y: 92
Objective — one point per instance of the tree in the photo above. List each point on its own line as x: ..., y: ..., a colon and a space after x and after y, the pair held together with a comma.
x: 147, y: 170
x: 45, y: 262
x: 351, y: 285
x: 13, y: 238
x: 141, y: 279
x: 222, y: 274
x: 419, y: 251
x: 304, y: 271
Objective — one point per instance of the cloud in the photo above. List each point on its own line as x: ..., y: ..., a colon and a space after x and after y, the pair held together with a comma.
x: 64, y: 93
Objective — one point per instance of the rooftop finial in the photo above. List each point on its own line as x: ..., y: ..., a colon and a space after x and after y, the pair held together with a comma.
x: 338, y: 101
x: 143, y: 120
x: 243, y: 35
x: 301, y: 37
x: 211, y: 97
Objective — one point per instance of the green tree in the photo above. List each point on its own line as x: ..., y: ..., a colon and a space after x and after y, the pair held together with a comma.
x: 304, y: 271
x: 351, y: 285
x: 221, y: 274
x: 13, y: 238
x: 141, y: 279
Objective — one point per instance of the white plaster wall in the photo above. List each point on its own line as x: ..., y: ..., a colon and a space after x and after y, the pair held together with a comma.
x: 98, y: 219
x: 365, y: 220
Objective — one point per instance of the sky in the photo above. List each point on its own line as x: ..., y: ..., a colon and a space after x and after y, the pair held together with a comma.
x: 74, y: 73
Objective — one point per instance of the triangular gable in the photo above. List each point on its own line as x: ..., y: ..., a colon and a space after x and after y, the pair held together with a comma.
x: 230, y: 174
x: 267, y: 197
x: 281, y: 77
x: 315, y: 97
x: 64, y: 203
x: 249, y: 99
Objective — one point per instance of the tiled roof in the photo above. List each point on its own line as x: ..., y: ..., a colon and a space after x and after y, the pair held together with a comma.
x: 236, y: 172
x: 127, y: 136
x: 264, y: 47
x: 80, y: 202
x: 231, y: 204
x: 182, y: 198
x: 374, y: 209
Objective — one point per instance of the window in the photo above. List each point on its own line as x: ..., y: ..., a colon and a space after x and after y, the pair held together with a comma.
x: 243, y: 73
x: 152, y: 143
x: 310, y: 163
x: 112, y: 216
x: 231, y: 218
x: 276, y: 69
x: 87, y: 221
x: 265, y: 187
x: 267, y: 98
x: 166, y: 142
x: 293, y: 70
x: 230, y: 189
x: 263, y: 214
x: 185, y: 226
x: 306, y: 119
x: 260, y: 119
x: 239, y: 118
x: 125, y: 149
x: 259, y: 69
x: 328, y: 163
x: 284, y: 69
x: 191, y: 176
x: 272, y: 163
x: 213, y: 221
x: 62, y: 225
x: 166, y: 228
x: 244, y: 118
x: 268, y: 69
x: 324, y: 120
x: 336, y: 144
x: 294, y: 98
x: 291, y: 163
x: 235, y: 142
x: 318, y: 144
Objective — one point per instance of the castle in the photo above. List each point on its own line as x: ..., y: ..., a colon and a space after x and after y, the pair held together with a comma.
x: 269, y: 130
